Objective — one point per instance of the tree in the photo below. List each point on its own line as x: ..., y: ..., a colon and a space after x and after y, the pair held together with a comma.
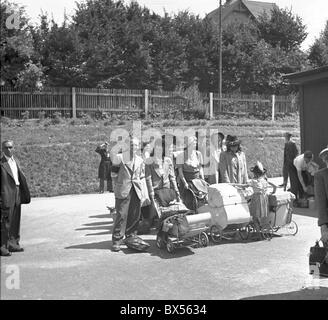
x: 16, y: 42
x: 282, y: 28
x: 318, y: 53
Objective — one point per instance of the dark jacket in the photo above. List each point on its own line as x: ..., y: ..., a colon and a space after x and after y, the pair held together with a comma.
x: 104, y: 171
x: 8, y: 186
x: 290, y: 152
x: 321, y: 195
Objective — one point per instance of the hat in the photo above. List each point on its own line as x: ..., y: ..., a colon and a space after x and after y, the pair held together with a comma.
x: 323, y: 152
x: 232, y: 141
x: 258, y: 168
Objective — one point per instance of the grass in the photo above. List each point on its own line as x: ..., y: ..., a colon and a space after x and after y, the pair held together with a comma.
x: 60, y: 159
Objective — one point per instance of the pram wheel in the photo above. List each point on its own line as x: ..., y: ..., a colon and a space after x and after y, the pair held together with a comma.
x: 160, y: 241
x: 244, y: 232
x: 292, y: 228
x: 203, y: 240
x: 266, y: 232
x: 215, y: 234
x: 170, y: 246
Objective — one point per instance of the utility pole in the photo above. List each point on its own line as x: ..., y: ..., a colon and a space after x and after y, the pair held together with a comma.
x: 220, y: 55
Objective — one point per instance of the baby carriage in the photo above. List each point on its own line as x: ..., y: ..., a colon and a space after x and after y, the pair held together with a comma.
x: 229, y: 212
x: 281, y: 212
x: 279, y: 216
x: 179, y: 227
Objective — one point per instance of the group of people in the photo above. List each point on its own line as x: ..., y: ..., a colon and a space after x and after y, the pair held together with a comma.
x: 143, y: 177
x: 299, y: 168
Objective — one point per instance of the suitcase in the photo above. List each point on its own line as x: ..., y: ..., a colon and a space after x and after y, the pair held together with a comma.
x: 318, y: 260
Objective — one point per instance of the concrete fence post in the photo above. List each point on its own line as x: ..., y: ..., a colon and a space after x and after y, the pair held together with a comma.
x: 273, y: 106
x: 146, y: 103
x: 73, y: 103
x: 211, y: 105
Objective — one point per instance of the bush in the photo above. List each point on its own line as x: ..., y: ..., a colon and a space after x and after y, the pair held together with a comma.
x: 26, y: 115
x: 57, y: 118
x: 41, y: 115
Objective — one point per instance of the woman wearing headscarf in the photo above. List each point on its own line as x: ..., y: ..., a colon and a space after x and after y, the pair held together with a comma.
x: 233, y: 167
x: 191, y: 173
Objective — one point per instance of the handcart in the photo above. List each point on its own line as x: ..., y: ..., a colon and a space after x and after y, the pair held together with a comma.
x: 182, y: 228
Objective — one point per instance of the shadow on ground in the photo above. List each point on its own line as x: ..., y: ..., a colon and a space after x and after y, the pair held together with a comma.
x: 320, y: 293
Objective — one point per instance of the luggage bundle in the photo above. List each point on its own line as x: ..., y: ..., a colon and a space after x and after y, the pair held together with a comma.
x: 227, y: 206
x: 280, y: 205
x: 181, y: 225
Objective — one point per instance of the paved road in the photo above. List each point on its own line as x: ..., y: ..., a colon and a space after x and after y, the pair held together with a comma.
x: 67, y: 256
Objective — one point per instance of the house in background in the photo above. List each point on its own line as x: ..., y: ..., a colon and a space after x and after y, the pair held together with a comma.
x: 241, y: 11
x: 313, y: 91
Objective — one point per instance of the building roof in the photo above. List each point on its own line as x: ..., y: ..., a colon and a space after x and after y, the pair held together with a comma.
x: 308, y: 76
x: 255, y: 8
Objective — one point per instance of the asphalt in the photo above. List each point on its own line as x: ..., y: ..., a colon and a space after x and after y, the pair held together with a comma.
x: 67, y: 256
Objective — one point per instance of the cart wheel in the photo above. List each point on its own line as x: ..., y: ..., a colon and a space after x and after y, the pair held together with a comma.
x: 215, y: 234
x: 203, y: 239
x: 159, y: 241
x: 266, y: 232
x: 245, y: 232
x: 292, y: 228
x: 170, y: 246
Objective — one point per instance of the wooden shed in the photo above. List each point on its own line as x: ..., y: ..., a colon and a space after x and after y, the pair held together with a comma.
x: 313, y: 89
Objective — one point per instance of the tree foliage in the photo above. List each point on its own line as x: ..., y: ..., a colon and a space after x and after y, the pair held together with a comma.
x: 110, y: 44
x: 318, y: 53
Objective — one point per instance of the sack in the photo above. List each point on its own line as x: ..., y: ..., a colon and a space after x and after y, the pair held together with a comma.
x: 180, y: 226
x: 165, y: 196
x: 318, y: 260
x: 136, y: 243
x: 281, y: 198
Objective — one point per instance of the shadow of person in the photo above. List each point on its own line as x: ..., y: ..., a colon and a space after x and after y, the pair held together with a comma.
x: 320, y: 293
x: 102, y: 245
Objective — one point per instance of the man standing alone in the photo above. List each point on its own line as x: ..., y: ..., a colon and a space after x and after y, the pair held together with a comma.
x: 290, y: 153
x: 14, y: 192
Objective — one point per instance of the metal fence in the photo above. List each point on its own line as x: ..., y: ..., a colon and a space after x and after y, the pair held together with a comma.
x: 72, y: 102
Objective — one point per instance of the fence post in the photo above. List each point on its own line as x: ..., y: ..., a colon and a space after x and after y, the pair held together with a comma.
x: 73, y: 103
x: 146, y: 102
x: 273, y: 106
x: 211, y: 105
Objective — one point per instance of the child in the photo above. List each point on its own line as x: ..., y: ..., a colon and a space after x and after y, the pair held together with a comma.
x: 259, y: 206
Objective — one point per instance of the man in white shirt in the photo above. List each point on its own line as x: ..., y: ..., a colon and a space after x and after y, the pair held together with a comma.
x: 305, y: 168
x: 14, y: 192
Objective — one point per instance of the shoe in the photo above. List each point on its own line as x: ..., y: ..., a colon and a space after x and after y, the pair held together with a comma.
x: 16, y: 249
x: 116, y: 247
x: 4, y: 252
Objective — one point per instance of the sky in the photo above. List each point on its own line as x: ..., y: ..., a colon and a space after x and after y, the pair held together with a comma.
x: 314, y: 13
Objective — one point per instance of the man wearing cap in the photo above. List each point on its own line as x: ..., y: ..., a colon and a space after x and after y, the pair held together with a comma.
x: 321, y: 196
x: 14, y: 192
x: 290, y: 153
